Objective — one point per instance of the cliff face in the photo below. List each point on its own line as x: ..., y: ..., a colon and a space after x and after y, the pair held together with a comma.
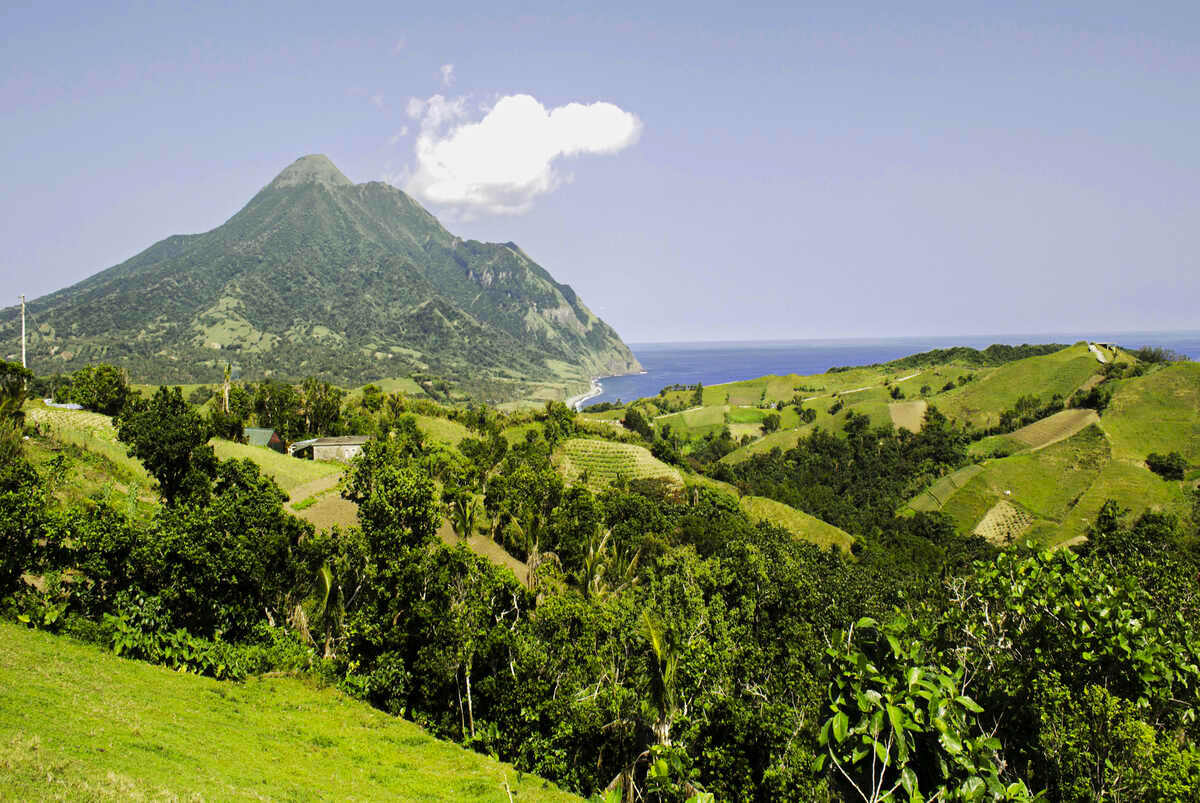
x: 317, y: 275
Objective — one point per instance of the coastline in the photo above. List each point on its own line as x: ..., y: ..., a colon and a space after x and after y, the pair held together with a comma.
x: 576, y: 402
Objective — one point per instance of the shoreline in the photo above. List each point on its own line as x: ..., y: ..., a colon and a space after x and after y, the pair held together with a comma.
x: 576, y: 402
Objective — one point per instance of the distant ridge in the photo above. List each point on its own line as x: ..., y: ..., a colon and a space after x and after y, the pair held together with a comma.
x: 317, y: 275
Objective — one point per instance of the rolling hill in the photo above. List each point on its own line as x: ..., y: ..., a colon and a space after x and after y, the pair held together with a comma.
x: 317, y: 275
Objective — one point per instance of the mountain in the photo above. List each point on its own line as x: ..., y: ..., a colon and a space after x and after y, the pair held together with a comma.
x: 318, y: 275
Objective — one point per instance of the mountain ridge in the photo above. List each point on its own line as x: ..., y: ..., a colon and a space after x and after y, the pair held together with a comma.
x: 317, y: 275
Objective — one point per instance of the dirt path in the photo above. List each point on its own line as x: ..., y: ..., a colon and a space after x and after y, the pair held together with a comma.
x: 1092, y: 347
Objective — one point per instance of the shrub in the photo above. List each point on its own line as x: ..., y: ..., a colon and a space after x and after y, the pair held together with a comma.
x: 1168, y: 466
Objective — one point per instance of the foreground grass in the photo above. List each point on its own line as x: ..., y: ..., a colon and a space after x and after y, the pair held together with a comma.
x: 77, y: 723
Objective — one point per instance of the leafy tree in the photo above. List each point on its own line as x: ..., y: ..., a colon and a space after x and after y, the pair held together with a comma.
x: 277, y: 405
x: 770, y: 422
x: 14, y: 383
x: 171, y: 440
x: 1168, y: 466
x: 322, y: 404
x: 635, y: 421
x: 22, y: 520
x: 101, y: 388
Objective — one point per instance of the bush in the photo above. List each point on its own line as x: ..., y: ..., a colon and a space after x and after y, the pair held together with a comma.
x: 1168, y: 466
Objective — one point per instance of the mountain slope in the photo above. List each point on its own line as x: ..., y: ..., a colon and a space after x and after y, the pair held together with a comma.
x: 316, y: 275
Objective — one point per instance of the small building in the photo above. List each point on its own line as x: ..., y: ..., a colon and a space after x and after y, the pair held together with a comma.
x: 343, y: 448
x: 264, y: 436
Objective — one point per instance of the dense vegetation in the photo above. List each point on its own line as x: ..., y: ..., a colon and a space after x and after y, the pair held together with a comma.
x: 659, y: 640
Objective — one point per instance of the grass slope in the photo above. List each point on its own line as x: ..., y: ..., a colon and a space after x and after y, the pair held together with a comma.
x: 981, y: 402
x: 289, y: 473
x: 1158, y: 412
x: 802, y: 525
x: 1046, y: 484
x: 78, y: 723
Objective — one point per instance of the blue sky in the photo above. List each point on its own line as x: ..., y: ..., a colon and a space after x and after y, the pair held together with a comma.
x: 753, y: 172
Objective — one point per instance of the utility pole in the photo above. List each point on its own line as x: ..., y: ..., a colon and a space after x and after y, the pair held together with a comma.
x: 23, y: 365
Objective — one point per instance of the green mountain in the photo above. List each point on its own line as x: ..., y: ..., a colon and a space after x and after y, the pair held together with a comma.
x: 317, y: 275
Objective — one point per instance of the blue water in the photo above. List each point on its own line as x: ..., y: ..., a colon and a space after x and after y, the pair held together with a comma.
x: 713, y: 363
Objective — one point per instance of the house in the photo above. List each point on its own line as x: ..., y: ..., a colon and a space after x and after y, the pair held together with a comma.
x: 264, y: 436
x: 343, y: 448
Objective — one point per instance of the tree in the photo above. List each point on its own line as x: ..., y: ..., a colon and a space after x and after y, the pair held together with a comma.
x: 277, y: 405
x: 101, y: 388
x: 14, y: 384
x: 464, y: 512
x: 171, y: 440
x: 634, y: 420
x: 1168, y: 466
x: 770, y: 422
x: 322, y: 405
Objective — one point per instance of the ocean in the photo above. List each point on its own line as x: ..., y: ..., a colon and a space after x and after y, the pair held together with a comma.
x: 715, y: 362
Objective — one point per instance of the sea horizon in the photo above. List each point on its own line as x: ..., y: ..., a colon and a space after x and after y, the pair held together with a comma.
x: 713, y: 362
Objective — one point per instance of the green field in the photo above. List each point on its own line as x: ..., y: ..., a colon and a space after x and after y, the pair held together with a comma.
x: 603, y: 461
x: 1159, y: 412
x: 981, y: 402
x: 1133, y: 488
x: 799, y: 523
x: 442, y: 430
x: 77, y: 723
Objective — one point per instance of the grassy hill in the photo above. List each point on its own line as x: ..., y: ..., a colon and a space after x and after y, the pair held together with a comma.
x: 800, y: 524
x: 77, y: 723
x: 1159, y: 412
x: 981, y: 402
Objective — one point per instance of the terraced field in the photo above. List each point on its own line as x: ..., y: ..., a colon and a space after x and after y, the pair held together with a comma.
x: 940, y: 492
x: 604, y: 461
x: 1054, y: 428
x: 802, y: 525
x: 91, y: 431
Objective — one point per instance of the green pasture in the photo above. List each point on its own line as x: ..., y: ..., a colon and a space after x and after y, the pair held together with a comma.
x: 77, y: 723
x: 1158, y: 412
x: 1132, y: 487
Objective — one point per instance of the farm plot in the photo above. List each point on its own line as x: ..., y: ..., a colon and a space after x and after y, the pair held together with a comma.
x: 1054, y: 428
x: 1003, y: 523
x: 598, y: 463
x: 908, y: 415
x: 1132, y: 487
x: 90, y: 431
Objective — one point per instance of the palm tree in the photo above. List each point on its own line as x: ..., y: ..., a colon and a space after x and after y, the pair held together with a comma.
x: 464, y: 513
x: 605, y: 570
x: 663, y: 704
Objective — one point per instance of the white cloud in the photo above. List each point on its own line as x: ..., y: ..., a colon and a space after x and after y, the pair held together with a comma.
x: 399, y: 135
x: 447, y: 71
x: 377, y: 100
x: 501, y: 163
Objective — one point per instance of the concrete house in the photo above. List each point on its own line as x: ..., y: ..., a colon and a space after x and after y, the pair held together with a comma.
x: 343, y: 448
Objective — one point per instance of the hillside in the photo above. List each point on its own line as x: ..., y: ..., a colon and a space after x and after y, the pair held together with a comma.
x: 79, y: 723
x: 316, y: 275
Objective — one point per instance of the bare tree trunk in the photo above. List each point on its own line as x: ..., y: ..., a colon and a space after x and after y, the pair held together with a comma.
x: 470, y: 708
